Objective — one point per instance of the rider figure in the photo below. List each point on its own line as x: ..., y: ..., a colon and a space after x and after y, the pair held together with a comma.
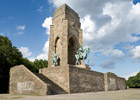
x: 54, y: 58
x: 80, y: 50
x: 81, y: 55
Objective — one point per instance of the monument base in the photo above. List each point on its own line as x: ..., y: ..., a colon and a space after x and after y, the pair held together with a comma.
x: 79, y: 78
x: 85, y: 66
x: 62, y: 79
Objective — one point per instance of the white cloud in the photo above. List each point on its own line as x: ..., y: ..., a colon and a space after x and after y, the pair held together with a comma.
x: 108, y: 64
x: 110, y: 21
x: 20, y: 33
x: 46, y: 47
x: 44, y: 55
x: 40, y: 9
x: 129, y: 75
x: 127, y: 46
x: 88, y: 26
x: 2, y: 34
x: 25, y: 51
x: 105, y: 24
x: 135, y: 52
x: 46, y: 24
x: 111, y: 52
x: 136, y: 9
x: 32, y: 59
x: 21, y: 27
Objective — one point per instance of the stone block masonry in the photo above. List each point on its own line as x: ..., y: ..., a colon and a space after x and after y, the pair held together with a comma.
x: 61, y: 80
x: 84, y: 80
x: 112, y: 82
x: 66, y: 77
x: 59, y: 75
x: 23, y: 81
x: 77, y: 80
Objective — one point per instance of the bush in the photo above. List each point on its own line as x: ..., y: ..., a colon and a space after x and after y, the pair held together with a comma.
x: 134, y: 81
x: 10, y: 56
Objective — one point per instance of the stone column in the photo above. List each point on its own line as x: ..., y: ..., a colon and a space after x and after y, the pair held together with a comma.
x: 65, y: 42
x: 105, y: 82
x: 51, y: 48
x: 81, y: 37
x: 81, y: 41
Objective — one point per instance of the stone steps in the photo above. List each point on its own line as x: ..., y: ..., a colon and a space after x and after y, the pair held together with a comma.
x: 55, y: 89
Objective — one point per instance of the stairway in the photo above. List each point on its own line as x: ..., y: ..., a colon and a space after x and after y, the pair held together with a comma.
x: 55, y: 89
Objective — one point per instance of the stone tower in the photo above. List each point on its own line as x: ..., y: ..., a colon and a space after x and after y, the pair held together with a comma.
x: 65, y: 35
x: 65, y: 38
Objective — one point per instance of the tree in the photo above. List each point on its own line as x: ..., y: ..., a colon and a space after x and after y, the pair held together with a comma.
x: 28, y: 64
x: 40, y: 64
x: 9, y: 56
x: 112, y: 73
x: 134, y: 81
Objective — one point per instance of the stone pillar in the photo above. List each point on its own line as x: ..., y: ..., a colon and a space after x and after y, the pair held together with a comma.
x: 51, y: 47
x: 65, y: 42
x: 81, y: 41
x: 105, y: 82
x: 81, y: 37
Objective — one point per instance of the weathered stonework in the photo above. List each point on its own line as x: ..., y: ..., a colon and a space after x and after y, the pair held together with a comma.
x: 65, y: 35
x: 23, y: 81
x: 59, y: 75
x: 112, y: 82
x: 66, y: 77
x: 82, y: 80
x: 84, y: 66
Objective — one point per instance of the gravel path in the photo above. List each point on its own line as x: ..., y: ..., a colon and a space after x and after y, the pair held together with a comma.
x: 131, y: 94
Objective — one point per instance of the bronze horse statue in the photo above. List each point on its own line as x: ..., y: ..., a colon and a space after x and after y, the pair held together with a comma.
x: 81, y: 55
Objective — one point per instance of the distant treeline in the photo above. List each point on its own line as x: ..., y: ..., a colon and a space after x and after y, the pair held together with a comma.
x: 10, y: 56
x: 134, y: 81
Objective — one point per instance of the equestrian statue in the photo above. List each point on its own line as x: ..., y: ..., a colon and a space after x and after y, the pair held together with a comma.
x: 81, y: 54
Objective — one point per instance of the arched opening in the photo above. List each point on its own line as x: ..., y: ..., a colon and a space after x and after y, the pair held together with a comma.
x: 58, y: 49
x: 71, y: 51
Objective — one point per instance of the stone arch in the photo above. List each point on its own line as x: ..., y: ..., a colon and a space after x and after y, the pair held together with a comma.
x: 72, y: 49
x: 73, y: 35
x: 58, y: 49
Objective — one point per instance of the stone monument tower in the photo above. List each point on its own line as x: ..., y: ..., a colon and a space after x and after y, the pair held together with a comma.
x: 65, y: 36
x: 65, y: 77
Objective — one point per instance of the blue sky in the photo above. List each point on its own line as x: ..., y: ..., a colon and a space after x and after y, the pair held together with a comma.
x: 14, y: 13
x: 110, y: 30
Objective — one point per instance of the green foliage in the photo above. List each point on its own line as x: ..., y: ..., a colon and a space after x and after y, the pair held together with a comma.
x: 112, y: 73
x: 10, y: 56
x: 40, y: 64
x: 28, y: 64
x: 134, y: 81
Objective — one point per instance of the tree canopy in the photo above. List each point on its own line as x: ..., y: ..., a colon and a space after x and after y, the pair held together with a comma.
x: 134, y: 81
x: 112, y: 73
x: 10, y: 56
x: 40, y: 64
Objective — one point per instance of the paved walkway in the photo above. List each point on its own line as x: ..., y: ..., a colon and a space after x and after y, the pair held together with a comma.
x: 131, y: 94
